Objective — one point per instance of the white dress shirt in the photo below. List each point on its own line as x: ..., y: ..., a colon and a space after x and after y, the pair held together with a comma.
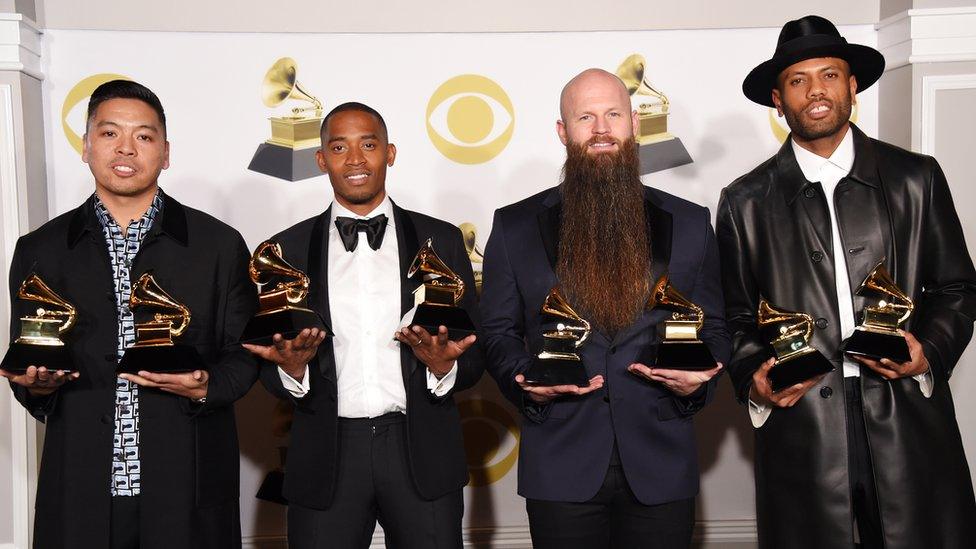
x: 828, y: 172
x: 364, y: 304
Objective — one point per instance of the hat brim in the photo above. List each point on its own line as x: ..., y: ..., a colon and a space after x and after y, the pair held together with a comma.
x: 867, y: 65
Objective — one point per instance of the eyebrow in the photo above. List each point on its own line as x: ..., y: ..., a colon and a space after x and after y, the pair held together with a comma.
x: 149, y: 127
x: 832, y: 66
x: 363, y: 137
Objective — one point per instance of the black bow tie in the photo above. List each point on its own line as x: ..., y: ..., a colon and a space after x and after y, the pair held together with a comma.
x: 349, y: 228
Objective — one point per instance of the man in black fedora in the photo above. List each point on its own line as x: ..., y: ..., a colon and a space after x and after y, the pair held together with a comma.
x: 871, y: 450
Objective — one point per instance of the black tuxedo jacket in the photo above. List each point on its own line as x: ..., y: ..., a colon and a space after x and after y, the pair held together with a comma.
x: 435, y: 450
x: 566, y: 446
x: 189, y: 454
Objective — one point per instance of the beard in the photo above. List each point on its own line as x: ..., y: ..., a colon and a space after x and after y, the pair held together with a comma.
x: 809, y: 130
x: 604, y: 261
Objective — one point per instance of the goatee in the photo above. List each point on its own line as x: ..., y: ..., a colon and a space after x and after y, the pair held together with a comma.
x: 604, y: 260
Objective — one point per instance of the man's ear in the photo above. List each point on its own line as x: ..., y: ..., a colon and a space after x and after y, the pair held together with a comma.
x: 320, y: 160
x: 561, y: 130
x: 777, y: 101
x: 390, y: 153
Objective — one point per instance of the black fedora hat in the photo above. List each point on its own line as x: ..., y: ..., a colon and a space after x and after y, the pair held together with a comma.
x: 806, y: 38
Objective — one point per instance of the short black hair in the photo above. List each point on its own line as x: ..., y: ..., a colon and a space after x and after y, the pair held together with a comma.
x: 125, y: 89
x: 354, y: 106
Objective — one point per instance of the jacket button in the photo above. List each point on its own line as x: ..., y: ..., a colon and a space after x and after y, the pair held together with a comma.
x: 106, y: 419
x: 606, y: 398
x: 613, y: 349
x: 817, y: 256
x: 822, y: 323
x: 809, y: 193
x: 826, y: 391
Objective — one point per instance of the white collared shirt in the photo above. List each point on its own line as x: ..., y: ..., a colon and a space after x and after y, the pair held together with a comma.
x: 364, y: 305
x: 829, y: 172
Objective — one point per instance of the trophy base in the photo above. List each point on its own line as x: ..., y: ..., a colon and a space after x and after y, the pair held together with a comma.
x: 556, y: 371
x: 877, y: 345
x: 20, y: 356
x: 663, y: 155
x: 798, y: 369
x: 164, y: 359
x: 272, y: 487
x: 678, y: 355
x: 261, y: 329
x: 432, y: 317
x: 284, y: 162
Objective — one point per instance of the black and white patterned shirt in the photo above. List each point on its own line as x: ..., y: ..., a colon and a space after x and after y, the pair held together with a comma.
x: 123, y: 245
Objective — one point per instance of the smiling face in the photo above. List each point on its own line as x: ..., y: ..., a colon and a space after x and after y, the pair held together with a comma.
x: 355, y: 153
x: 596, y: 112
x: 816, y: 97
x: 125, y: 148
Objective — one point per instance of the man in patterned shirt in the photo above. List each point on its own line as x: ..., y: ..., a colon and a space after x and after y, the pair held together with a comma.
x: 136, y: 460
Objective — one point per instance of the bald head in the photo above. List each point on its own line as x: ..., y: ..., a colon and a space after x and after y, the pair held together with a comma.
x: 595, y: 105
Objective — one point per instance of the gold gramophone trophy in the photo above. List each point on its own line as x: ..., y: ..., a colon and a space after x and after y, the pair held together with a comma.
x: 659, y: 149
x: 290, y: 152
x: 40, y: 341
x: 796, y: 360
x: 680, y: 347
x: 154, y: 349
x: 470, y: 235
x: 436, y: 299
x: 559, y: 363
x: 282, y: 309
x: 877, y: 336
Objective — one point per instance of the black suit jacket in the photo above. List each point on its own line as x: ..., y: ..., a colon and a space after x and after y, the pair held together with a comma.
x: 435, y: 451
x: 189, y: 454
x: 566, y: 446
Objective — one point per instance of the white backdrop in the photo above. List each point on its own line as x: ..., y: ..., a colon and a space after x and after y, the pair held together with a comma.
x: 209, y: 85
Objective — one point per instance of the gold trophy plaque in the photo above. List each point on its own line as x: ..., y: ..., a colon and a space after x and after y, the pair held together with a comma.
x: 877, y: 336
x: 796, y: 360
x: 470, y: 235
x: 282, y: 308
x: 559, y: 363
x: 436, y: 299
x: 154, y: 349
x: 680, y: 347
x: 290, y: 152
x: 40, y: 341
x: 659, y: 149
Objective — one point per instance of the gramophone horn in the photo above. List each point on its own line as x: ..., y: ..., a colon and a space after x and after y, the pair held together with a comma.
x: 556, y: 305
x: 631, y: 72
x: 146, y: 291
x: 268, y: 262
x: 35, y: 289
x: 280, y: 83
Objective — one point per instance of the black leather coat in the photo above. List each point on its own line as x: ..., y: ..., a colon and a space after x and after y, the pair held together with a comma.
x: 774, y: 235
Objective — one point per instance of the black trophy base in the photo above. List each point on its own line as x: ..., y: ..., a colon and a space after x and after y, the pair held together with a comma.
x: 556, y: 371
x: 272, y: 488
x: 877, y: 345
x: 663, y: 155
x: 690, y: 356
x: 20, y: 356
x: 165, y: 359
x: 798, y: 369
x: 432, y: 317
x: 262, y: 328
x: 285, y: 163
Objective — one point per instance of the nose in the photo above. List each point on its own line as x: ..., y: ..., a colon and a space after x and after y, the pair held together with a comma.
x: 601, y: 126
x: 817, y: 88
x: 125, y: 145
x: 355, y: 157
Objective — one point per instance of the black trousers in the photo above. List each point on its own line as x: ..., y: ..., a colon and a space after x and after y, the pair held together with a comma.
x: 611, y: 519
x: 867, y: 514
x: 125, y: 522
x: 374, y: 484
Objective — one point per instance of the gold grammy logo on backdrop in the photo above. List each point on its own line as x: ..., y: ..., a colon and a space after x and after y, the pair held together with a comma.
x: 78, y: 95
x: 491, y: 440
x: 470, y: 119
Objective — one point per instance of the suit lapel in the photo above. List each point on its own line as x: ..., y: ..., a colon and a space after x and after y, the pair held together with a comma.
x: 407, y: 246
x: 318, y: 274
x: 549, y: 219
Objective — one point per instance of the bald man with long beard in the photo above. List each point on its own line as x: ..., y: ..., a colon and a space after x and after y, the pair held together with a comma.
x: 614, y: 463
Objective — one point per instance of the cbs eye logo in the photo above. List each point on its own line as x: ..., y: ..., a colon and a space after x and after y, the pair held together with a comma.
x: 78, y: 96
x: 470, y: 119
x: 781, y: 130
x: 491, y: 440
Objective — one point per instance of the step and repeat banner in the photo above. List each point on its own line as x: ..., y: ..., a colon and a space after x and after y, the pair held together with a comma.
x: 474, y: 120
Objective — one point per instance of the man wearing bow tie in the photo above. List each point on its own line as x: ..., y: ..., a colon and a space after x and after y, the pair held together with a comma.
x: 376, y: 434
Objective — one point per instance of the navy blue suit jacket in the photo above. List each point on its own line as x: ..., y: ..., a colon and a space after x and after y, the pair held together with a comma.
x: 566, y: 445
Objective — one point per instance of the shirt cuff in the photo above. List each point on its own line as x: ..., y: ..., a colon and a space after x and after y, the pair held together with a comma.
x: 442, y: 386
x: 758, y: 413
x: 925, y: 383
x: 298, y: 389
